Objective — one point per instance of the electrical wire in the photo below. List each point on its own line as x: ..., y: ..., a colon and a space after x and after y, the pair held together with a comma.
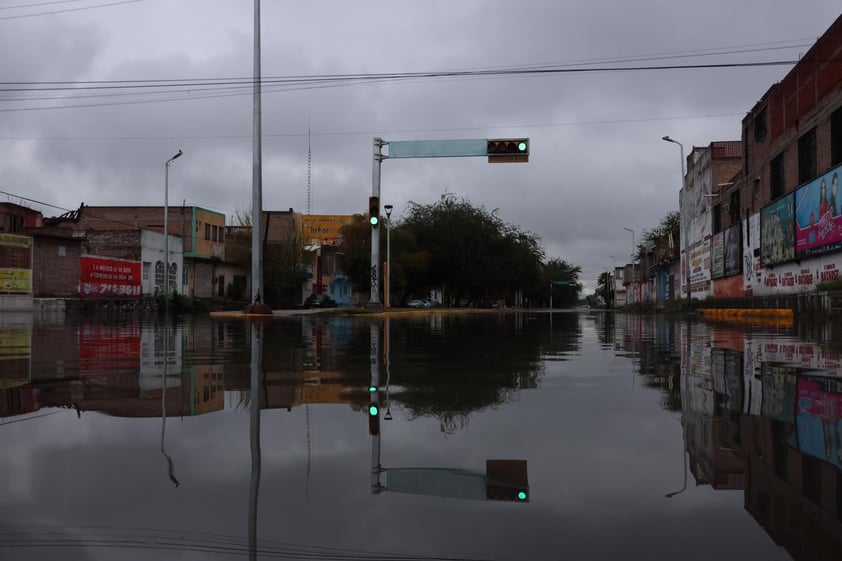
x: 68, y: 10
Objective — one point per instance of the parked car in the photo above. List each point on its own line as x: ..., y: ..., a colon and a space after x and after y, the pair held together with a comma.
x: 319, y: 301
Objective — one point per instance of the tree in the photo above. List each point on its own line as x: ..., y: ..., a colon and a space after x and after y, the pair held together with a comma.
x: 557, y: 271
x: 605, y: 290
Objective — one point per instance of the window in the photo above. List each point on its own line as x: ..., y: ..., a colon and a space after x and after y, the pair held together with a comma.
x: 222, y: 234
x: 717, y: 219
x: 807, y: 157
x: 215, y: 235
x: 836, y: 137
x: 207, y: 231
x: 185, y: 278
x: 776, y: 176
x: 62, y: 251
x: 172, y: 276
x: 222, y: 286
x: 734, y: 210
x: 147, y: 266
x: 159, y: 275
x: 759, y: 125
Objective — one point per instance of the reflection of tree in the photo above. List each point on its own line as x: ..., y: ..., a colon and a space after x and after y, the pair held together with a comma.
x: 472, y: 363
x: 660, y: 363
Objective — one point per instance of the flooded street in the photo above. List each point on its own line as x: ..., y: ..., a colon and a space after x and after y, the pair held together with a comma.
x: 480, y: 436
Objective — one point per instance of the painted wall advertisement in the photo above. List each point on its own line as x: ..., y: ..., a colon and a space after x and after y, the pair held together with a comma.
x: 105, y: 277
x: 777, y: 232
x: 324, y: 229
x: 700, y: 265
x: 15, y: 264
x: 818, y: 223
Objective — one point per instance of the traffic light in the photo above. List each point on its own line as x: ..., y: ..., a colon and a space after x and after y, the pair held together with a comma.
x: 508, y: 150
x: 506, y: 480
x: 374, y: 211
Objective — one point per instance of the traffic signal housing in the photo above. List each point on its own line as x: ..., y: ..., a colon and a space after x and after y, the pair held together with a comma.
x: 374, y: 211
x: 501, y: 150
x: 374, y: 418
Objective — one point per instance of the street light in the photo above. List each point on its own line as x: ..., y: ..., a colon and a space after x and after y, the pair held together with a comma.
x: 166, y: 228
x: 632, y: 260
x: 388, y: 294
x: 685, y: 216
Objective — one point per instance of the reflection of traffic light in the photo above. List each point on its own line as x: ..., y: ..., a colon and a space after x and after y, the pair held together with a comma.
x: 374, y: 211
x: 374, y: 411
x: 508, y: 150
x: 506, y: 480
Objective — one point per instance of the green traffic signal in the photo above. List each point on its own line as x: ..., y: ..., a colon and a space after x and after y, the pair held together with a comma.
x: 374, y: 220
x: 372, y: 389
x: 521, y: 146
x: 373, y: 410
x: 521, y: 495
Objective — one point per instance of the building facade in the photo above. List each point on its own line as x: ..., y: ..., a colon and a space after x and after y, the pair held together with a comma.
x: 792, y: 156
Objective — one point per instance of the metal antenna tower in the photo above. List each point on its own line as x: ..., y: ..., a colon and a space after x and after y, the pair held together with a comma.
x: 309, y: 167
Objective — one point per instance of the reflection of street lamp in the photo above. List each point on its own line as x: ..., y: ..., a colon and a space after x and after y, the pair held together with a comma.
x: 388, y: 255
x: 685, y: 214
x: 614, y: 287
x: 166, y: 228
x: 632, y: 260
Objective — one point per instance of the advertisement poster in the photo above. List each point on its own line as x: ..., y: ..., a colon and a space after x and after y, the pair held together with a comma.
x: 104, y: 277
x: 818, y: 224
x: 15, y: 264
x: 777, y: 231
x: 733, y: 241
x: 819, y: 418
x: 718, y: 263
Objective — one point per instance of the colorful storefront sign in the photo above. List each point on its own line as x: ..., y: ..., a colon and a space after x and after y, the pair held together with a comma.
x: 818, y: 221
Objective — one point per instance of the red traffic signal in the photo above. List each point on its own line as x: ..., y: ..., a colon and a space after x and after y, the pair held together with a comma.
x: 508, y: 150
x: 374, y: 211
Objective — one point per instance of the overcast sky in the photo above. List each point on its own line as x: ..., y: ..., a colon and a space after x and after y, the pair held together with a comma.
x: 597, y: 161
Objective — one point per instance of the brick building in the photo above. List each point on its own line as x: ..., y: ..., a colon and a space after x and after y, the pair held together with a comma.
x: 202, y: 232
x: 792, y: 145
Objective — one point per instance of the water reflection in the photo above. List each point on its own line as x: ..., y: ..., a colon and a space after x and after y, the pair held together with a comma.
x: 761, y: 412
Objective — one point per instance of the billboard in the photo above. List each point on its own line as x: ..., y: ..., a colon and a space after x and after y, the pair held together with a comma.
x: 15, y: 264
x: 818, y: 224
x: 106, y: 277
x: 777, y: 231
x: 717, y: 268
x: 323, y: 229
x: 732, y: 243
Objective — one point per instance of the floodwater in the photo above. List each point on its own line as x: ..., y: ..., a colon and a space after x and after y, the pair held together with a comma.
x: 495, y: 436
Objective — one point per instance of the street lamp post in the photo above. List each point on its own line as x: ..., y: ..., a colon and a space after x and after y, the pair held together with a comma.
x: 632, y: 260
x: 166, y: 229
x: 685, y: 215
x: 388, y: 287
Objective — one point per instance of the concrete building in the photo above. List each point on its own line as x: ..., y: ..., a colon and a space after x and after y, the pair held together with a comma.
x: 788, y: 197
x: 709, y: 170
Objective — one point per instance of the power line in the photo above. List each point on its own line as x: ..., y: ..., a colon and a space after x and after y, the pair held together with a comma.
x: 66, y: 10
x: 35, y: 4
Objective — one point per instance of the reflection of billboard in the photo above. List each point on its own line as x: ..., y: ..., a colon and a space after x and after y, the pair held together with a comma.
x: 15, y: 346
x: 102, y: 276
x: 818, y: 224
x: 732, y: 243
x: 15, y: 264
x: 108, y: 349
x: 779, y: 389
x: 819, y: 419
x: 777, y: 233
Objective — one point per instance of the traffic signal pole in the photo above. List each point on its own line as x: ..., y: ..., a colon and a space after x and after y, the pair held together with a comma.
x: 374, y: 297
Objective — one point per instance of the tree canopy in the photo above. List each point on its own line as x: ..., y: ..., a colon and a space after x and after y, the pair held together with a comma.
x: 466, y: 251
